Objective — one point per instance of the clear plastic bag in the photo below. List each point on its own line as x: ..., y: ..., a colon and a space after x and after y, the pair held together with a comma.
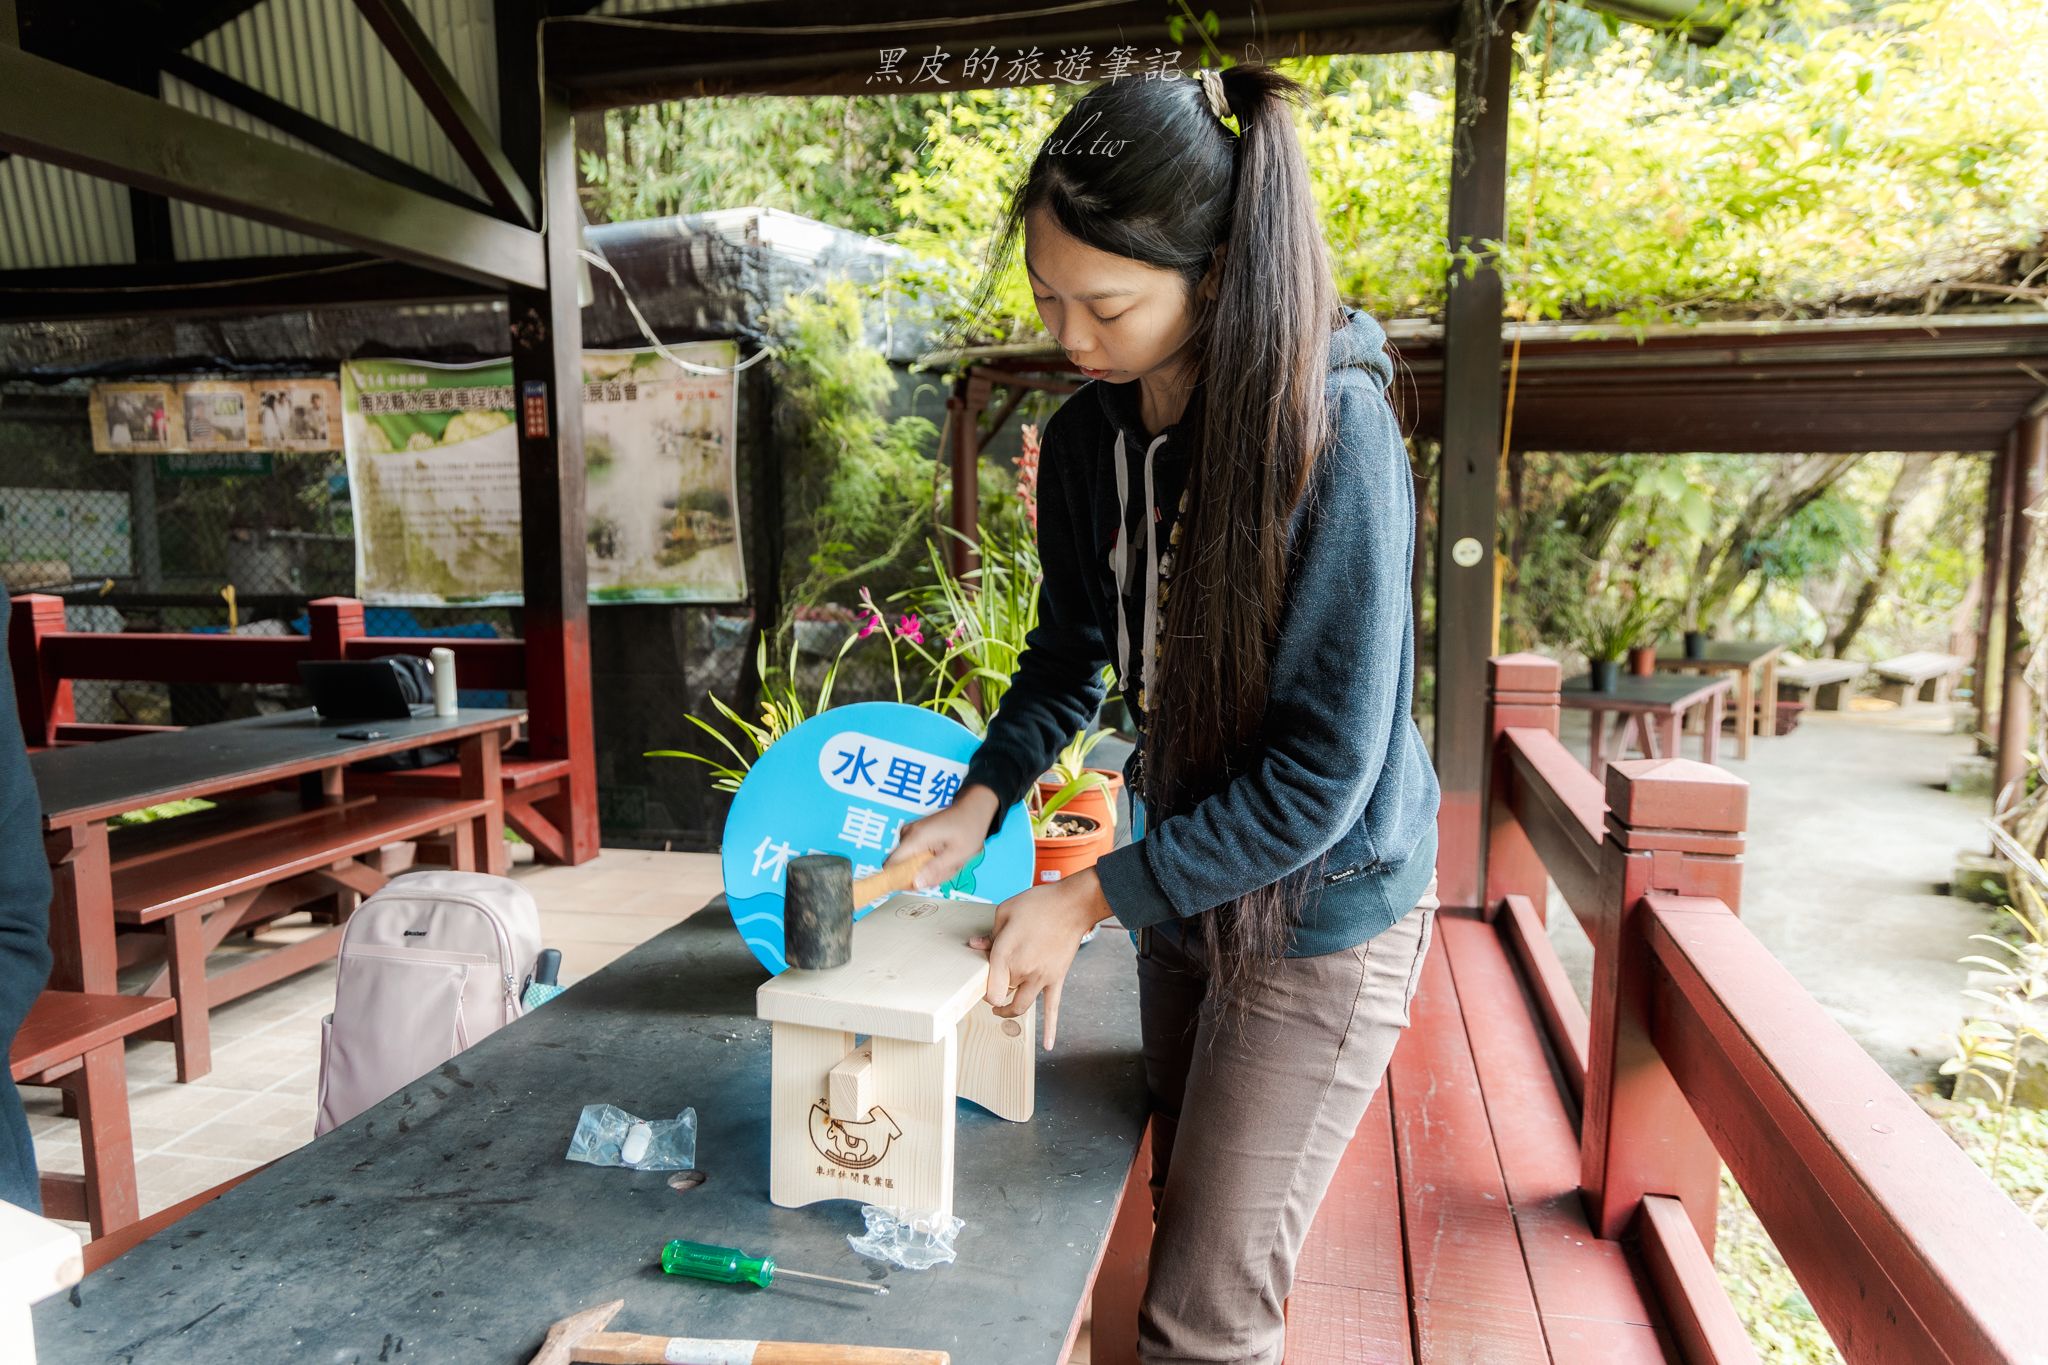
x: 609, y: 1136
x: 910, y: 1241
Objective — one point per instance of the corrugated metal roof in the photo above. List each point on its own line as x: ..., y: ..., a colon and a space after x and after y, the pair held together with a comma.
x: 51, y: 217
x: 318, y: 56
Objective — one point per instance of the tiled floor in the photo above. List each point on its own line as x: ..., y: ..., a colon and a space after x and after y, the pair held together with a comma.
x: 258, y: 1101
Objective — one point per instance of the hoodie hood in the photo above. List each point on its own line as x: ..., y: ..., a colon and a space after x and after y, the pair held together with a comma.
x: 1151, y: 470
x: 1360, y: 344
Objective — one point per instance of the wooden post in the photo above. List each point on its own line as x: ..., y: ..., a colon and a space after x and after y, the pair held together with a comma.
x: 547, y: 383
x: 1673, y: 825
x: 331, y: 623
x: 1998, y: 514
x: 970, y: 396
x: 765, y: 512
x: 1522, y: 693
x: 2015, y: 703
x: 1466, y: 608
x: 41, y: 696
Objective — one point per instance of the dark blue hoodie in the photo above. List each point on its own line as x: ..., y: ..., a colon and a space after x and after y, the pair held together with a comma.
x: 1342, y: 775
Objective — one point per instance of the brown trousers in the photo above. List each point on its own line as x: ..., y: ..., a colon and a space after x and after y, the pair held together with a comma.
x: 1254, y: 1107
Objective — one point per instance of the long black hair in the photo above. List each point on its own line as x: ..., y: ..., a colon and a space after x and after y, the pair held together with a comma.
x: 1181, y: 185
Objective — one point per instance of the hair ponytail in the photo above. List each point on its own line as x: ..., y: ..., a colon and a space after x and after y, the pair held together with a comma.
x: 1183, y: 186
x: 1265, y: 361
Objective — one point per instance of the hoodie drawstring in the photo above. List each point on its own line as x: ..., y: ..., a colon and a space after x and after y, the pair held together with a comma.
x: 1120, y: 566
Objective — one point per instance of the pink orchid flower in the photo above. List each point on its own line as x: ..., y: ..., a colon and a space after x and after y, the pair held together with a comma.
x: 911, y: 629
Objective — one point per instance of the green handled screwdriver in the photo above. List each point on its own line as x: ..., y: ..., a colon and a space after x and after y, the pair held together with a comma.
x: 730, y: 1265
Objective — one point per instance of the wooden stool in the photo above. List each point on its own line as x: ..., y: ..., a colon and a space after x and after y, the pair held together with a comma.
x: 869, y: 1057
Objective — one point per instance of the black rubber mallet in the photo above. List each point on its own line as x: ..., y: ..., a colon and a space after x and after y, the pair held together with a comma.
x: 818, y: 902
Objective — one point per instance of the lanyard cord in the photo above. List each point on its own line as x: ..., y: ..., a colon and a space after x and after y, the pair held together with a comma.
x: 1120, y: 566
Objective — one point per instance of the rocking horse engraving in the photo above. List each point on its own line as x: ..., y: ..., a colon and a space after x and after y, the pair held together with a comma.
x: 854, y: 1146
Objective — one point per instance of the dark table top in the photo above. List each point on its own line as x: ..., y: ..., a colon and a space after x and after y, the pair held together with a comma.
x: 1725, y: 653
x: 1664, y: 692
x: 444, y: 1225
x: 90, y: 781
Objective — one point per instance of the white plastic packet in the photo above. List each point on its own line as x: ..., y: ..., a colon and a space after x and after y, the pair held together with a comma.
x: 609, y: 1136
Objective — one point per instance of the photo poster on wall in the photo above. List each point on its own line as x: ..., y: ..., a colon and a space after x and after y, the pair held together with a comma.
x: 135, y: 418
x: 433, y: 463
x: 214, y: 416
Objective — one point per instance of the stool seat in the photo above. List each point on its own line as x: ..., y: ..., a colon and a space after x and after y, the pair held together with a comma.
x: 912, y: 975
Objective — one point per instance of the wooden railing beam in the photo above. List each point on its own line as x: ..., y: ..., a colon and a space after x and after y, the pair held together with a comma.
x: 1905, y: 1249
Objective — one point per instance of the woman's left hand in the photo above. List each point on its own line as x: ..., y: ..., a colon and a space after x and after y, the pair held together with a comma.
x: 1036, y: 935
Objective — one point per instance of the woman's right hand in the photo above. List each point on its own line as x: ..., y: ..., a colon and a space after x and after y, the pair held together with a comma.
x: 951, y: 836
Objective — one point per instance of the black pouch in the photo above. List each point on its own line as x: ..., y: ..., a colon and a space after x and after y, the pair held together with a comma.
x: 416, y: 681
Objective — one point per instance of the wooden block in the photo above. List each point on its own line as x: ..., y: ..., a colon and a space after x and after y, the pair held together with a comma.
x: 851, y: 1086
x: 912, y: 977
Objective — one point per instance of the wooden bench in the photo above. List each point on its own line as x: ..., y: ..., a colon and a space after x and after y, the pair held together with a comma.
x: 550, y: 799
x: 533, y: 789
x: 77, y: 1042
x: 1922, y: 676
x: 197, y: 879
x: 1827, y: 679
x: 1460, y: 1194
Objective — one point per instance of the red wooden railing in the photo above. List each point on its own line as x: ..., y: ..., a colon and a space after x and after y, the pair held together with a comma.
x: 1701, y: 1049
x: 47, y: 658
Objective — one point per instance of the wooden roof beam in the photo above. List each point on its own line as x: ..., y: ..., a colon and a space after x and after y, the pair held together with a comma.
x: 475, y: 143
x: 67, y: 118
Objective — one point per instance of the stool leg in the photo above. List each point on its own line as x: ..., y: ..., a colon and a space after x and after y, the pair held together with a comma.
x: 998, y: 1061
x: 916, y: 1084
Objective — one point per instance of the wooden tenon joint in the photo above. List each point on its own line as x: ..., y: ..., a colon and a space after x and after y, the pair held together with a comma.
x: 1673, y: 826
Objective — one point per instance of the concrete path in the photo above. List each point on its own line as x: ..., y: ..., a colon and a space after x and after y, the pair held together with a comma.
x: 1852, y: 840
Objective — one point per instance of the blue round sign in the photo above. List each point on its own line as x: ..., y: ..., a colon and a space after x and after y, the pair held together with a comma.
x: 847, y: 781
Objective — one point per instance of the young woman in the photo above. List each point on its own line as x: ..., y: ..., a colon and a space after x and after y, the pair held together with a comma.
x: 1226, y: 512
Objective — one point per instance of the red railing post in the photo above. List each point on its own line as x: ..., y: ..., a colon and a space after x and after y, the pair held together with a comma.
x: 42, y: 697
x: 1521, y: 693
x: 331, y: 623
x: 1673, y: 825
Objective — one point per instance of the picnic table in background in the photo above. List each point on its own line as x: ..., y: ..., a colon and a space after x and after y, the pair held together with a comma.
x: 1651, y: 712
x: 1756, y: 700
x: 196, y: 879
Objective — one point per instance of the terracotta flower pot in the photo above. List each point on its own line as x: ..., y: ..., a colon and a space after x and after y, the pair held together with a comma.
x: 1064, y: 855
x: 1642, y: 661
x: 1098, y: 805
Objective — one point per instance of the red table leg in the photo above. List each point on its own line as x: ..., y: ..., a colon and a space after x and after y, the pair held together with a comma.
x: 81, y: 910
x: 1669, y: 724
x: 1596, y: 758
x: 480, y: 778
x: 1710, y: 742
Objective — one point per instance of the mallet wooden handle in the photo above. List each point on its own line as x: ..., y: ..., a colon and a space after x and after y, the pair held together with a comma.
x: 888, y: 881
x: 635, y: 1348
